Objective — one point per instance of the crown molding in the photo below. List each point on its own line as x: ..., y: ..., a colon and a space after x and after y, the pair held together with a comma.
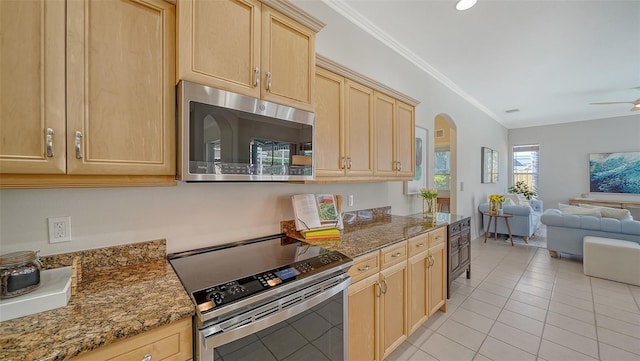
x: 326, y: 63
x: 297, y: 14
x: 363, y: 23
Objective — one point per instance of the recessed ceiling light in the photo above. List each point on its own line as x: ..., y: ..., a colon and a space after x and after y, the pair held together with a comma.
x: 465, y: 4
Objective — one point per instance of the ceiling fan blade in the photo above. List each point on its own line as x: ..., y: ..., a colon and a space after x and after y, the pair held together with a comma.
x: 602, y: 103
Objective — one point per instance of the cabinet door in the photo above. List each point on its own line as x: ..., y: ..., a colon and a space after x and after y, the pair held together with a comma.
x: 465, y: 247
x: 384, y: 134
x: 288, y: 60
x: 405, y: 139
x: 363, y: 319
x: 219, y: 44
x: 418, y: 301
x: 329, y: 107
x: 437, y: 276
x: 358, y: 130
x: 393, y: 308
x: 120, y: 87
x: 32, y: 87
x: 454, y: 253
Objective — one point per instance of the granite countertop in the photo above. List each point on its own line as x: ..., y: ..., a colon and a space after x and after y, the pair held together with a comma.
x: 370, y: 230
x: 112, y: 302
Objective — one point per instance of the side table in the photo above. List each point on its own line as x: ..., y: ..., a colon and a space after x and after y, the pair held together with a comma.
x: 494, y: 217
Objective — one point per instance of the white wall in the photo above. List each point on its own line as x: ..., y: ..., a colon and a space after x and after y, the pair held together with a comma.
x: 196, y: 215
x: 564, y: 154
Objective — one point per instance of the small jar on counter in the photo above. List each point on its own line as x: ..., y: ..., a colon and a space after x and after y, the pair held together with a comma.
x: 19, y: 273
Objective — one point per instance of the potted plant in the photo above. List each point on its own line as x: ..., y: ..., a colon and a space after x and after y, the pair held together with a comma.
x: 495, y: 203
x: 522, y: 188
x: 429, y: 201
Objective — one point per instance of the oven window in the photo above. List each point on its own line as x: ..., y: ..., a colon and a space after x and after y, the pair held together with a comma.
x: 315, y: 334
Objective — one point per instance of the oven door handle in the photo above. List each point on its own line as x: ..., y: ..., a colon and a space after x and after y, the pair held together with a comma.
x: 273, y: 312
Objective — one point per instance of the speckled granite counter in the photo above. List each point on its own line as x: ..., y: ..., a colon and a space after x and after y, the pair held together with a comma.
x: 369, y: 230
x: 124, y: 291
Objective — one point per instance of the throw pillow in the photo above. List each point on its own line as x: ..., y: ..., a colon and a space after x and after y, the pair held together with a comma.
x: 512, y: 199
x: 579, y: 211
x: 522, y: 200
x: 608, y: 212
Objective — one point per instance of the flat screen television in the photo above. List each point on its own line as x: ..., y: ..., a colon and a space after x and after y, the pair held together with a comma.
x: 614, y: 172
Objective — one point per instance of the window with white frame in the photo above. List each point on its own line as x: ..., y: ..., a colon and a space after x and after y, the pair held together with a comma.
x: 526, y: 164
x: 442, y: 173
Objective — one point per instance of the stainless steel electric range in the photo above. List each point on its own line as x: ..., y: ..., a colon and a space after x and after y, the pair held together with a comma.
x: 269, y: 298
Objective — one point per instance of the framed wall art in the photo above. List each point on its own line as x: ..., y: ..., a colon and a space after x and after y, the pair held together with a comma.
x: 420, y: 178
x: 489, y: 169
x: 614, y: 172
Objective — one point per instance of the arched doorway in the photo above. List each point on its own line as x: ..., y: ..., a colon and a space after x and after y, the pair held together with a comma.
x: 445, y: 156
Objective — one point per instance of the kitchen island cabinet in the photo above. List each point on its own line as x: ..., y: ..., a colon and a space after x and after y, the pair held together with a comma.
x: 263, y: 49
x: 110, y: 120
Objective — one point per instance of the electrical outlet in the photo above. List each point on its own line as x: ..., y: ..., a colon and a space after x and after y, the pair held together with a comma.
x: 59, y: 229
x: 350, y: 200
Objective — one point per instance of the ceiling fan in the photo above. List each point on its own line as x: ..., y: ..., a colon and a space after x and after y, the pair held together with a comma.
x: 635, y: 108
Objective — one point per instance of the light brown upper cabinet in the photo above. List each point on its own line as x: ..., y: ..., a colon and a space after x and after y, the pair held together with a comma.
x: 394, y: 126
x: 362, y: 133
x: 116, y: 113
x: 247, y: 47
x: 329, y: 144
x: 32, y: 77
x: 344, y: 133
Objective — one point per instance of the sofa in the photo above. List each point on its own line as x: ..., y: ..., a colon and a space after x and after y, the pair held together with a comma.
x: 524, y: 223
x: 566, y: 231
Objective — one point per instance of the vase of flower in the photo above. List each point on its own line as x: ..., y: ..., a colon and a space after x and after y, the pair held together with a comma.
x: 429, y: 202
x: 495, y: 203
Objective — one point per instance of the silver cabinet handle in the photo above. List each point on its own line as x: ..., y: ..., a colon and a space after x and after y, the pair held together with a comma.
x: 344, y: 162
x: 147, y: 357
x: 78, y: 145
x: 256, y: 79
x: 350, y: 164
x: 378, y: 289
x: 420, y: 245
x: 386, y: 286
x: 399, y: 166
x: 268, y: 81
x: 365, y: 268
x: 49, y: 142
x: 396, y: 255
x: 432, y: 260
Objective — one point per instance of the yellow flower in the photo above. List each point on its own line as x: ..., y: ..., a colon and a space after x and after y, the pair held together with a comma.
x: 496, y: 198
x: 428, y: 193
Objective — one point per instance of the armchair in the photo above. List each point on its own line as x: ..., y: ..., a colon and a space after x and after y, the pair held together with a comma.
x: 525, y: 221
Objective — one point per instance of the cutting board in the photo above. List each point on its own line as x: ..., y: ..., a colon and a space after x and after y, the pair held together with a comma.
x: 54, y: 292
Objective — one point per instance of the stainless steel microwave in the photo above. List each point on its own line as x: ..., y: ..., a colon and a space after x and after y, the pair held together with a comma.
x: 224, y: 136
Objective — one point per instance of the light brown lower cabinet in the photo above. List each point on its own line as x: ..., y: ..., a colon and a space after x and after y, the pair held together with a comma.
x: 393, y: 292
x: 172, y: 342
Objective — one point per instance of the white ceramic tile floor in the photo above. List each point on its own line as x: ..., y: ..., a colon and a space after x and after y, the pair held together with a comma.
x: 521, y: 304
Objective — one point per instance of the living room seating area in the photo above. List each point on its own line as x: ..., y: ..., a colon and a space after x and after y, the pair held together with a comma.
x: 525, y: 221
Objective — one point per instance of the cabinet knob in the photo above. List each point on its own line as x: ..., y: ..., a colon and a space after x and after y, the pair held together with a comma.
x: 49, y: 141
x: 78, y: 144
x: 146, y: 357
